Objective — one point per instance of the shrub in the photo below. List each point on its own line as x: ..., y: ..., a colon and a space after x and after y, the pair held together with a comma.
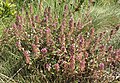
x: 62, y: 51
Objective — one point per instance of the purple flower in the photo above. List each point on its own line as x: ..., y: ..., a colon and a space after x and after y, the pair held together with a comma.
x: 102, y: 66
x: 44, y: 50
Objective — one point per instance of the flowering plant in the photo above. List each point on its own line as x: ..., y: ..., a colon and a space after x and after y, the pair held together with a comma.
x: 64, y: 51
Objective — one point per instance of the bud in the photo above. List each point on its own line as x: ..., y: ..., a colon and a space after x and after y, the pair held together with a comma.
x: 101, y: 66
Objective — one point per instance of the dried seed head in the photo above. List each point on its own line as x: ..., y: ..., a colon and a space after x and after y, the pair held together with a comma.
x: 72, y: 49
x: 27, y: 57
x: 37, y: 19
x: 71, y: 23
x: 57, y: 67
x: 35, y: 49
x: 66, y: 8
x: 65, y: 11
x: 102, y: 48
x: 87, y: 43
x: 81, y: 41
x: 47, y: 66
x: 49, y: 12
x: 82, y: 65
x: 112, y: 32
x: 45, y: 12
x: 92, y: 32
x: 65, y: 65
x: 72, y: 63
x: 79, y: 56
x: 62, y: 39
x: 117, y: 54
x: 20, y: 27
x: 36, y: 40
x: 17, y: 19
x: 110, y: 48
x: 62, y: 27
x: 48, y: 32
x: 79, y: 25
x: 117, y: 27
x: 63, y: 49
x: 31, y: 9
x: 18, y: 44
x: 86, y: 54
x: 14, y: 26
x: 102, y: 35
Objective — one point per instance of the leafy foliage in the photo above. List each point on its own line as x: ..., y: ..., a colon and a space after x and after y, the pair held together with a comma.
x: 7, y: 9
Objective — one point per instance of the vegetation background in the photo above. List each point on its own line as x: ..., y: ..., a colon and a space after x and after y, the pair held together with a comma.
x: 103, y: 15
